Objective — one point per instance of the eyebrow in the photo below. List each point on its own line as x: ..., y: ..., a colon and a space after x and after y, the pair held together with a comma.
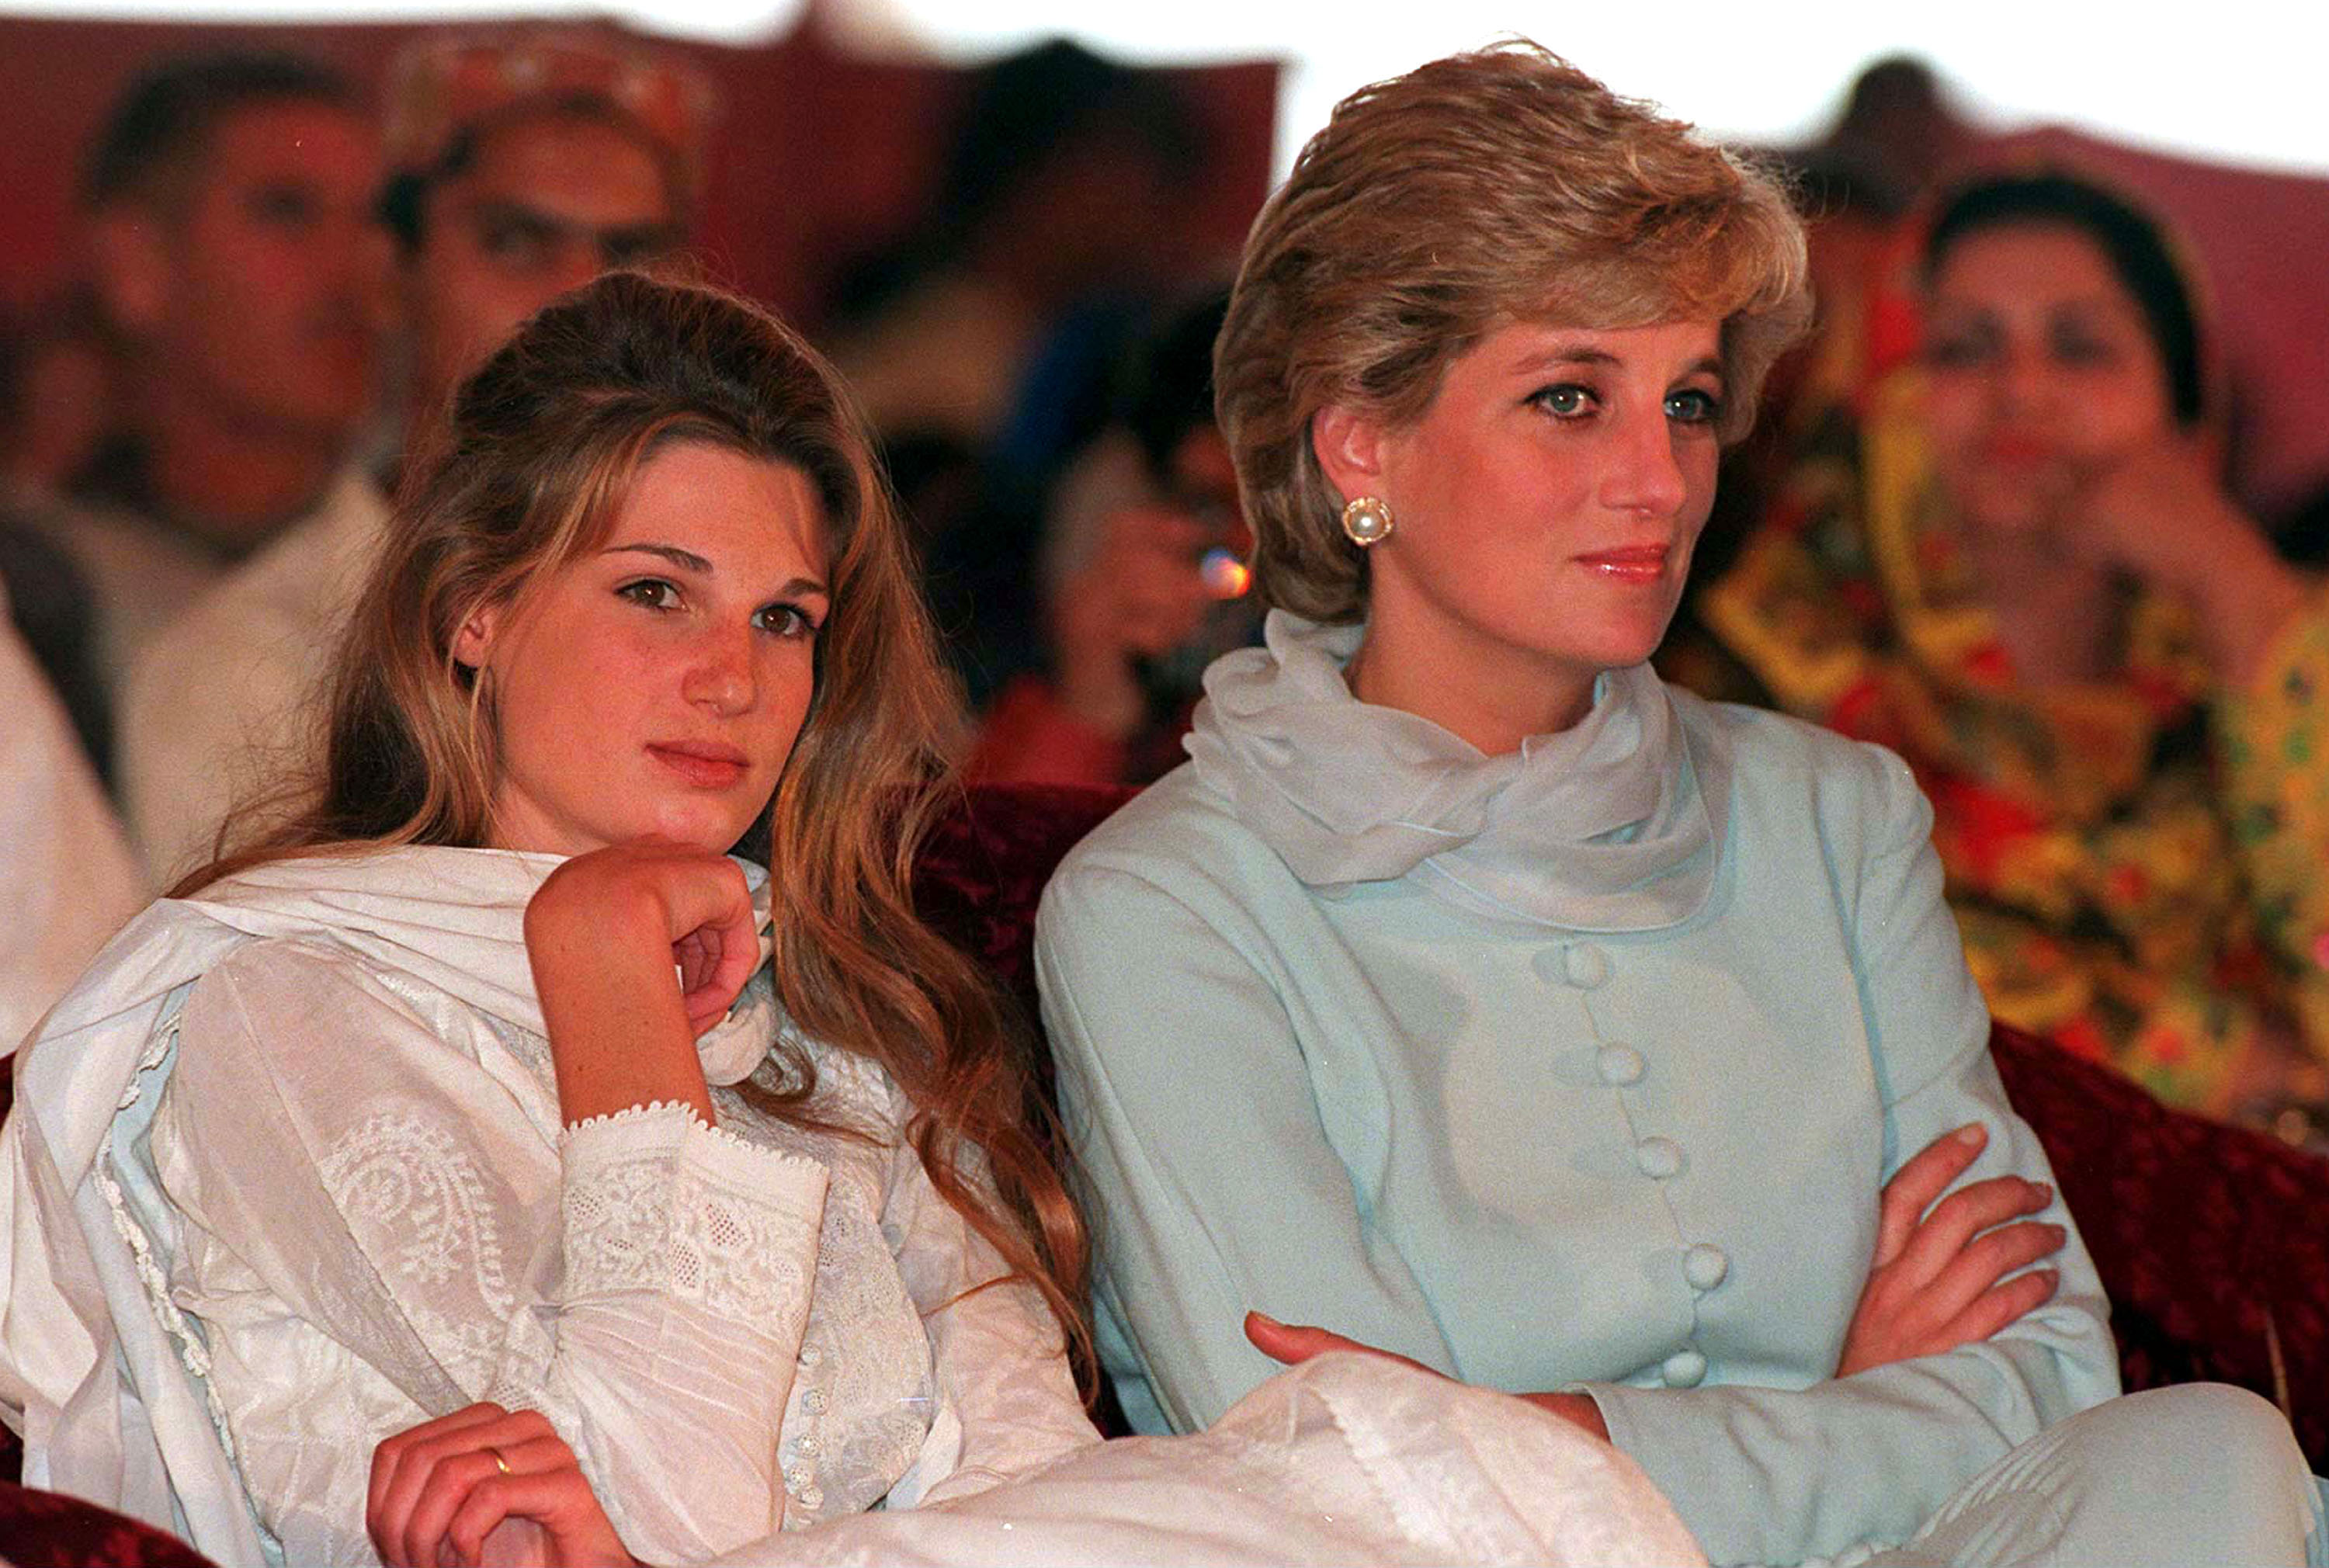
x: 643, y: 232
x: 685, y: 559
x: 1579, y: 354
x: 688, y: 560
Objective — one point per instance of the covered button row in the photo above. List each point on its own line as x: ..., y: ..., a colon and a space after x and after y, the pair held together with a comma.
x: 1619, y: 1065
x: 1704, y: 1265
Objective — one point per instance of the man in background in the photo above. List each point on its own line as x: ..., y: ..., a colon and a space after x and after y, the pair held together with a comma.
x: 522, y: 168
x: 239, y: 272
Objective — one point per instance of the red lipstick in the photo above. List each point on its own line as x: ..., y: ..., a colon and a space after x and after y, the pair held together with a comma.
x: 1633, y: 563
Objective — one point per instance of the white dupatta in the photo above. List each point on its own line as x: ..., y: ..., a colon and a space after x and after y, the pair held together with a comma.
x: 102, y: 1376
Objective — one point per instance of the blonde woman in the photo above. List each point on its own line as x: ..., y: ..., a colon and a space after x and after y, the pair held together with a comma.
x: 1473, y: 997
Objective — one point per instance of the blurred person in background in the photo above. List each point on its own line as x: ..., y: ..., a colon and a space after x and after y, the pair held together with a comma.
x: 55, y: 399
x: 522, y: 168
x: 70, y: 876
x: 1057, y: 206
x: 986, y: 344
x: 1142, y: 578
x: 2027, y: 578
x: 238, y: 270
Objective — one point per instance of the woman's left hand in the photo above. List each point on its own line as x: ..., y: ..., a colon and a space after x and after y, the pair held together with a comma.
x: 1947, y: 1270
x: 1295, y: 1343
x: 486, y: 1488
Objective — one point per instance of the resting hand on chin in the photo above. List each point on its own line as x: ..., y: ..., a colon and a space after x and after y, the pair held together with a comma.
x: 2160, y: 515
x: 637, y: 949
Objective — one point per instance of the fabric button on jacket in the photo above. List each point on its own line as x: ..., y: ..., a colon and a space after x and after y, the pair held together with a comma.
x: 1658, y: 1157
x: 1619, y: 1064
x: 1704, y: 1265
x: 1584, y: 966
x: 1682, y: 1369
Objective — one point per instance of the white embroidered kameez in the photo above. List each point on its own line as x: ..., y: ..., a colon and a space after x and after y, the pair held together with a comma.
x: 378, y: 1217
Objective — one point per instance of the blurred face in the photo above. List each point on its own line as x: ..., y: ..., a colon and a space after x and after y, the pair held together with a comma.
x: 269, y: 284
x: 547, y: 205
x: 653, y: 688
x: 2041, y: 370
x: 1546, y: 504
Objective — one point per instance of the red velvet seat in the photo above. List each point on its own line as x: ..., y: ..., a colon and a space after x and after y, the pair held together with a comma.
x: 2212, y: 1241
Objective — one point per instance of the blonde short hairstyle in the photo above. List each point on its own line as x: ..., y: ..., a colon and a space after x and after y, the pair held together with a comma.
x: 1499, y: 186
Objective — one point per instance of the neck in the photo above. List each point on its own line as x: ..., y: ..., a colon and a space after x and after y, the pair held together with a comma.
x: 1490, y: 695
x: 231, y: 482
x: 2052, y: 611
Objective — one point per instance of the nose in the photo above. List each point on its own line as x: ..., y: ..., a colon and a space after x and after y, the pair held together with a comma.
x: 1645, y: 475
x: 2024, y: 378
x: 721, y: 678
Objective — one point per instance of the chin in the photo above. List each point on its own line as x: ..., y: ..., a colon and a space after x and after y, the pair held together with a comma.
x: 710, y: 831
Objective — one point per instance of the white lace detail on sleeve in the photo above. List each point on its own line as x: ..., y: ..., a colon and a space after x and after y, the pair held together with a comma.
x: 650, y: 1220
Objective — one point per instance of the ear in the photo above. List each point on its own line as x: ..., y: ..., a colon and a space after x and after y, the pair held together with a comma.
x: 1349, y: 446
x: 130, y: 257
x: 474, y: 639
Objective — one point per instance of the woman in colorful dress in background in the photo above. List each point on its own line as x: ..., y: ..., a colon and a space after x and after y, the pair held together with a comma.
x: 2030, y: 581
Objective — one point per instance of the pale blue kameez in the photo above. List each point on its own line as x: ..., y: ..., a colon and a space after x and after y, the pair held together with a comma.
x: 1607, y: 1110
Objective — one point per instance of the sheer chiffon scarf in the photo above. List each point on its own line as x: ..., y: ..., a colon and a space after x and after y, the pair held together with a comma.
x: 1613, y: 824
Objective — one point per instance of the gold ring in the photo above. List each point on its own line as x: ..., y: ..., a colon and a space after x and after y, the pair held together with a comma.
x: 500, y: 1463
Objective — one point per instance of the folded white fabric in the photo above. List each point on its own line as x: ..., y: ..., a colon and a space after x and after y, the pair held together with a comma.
x: 1346, y: 1459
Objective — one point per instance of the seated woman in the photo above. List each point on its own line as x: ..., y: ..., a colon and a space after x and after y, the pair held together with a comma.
x: 432, y: 1169
x: 1471, y: 996
x: 1142, y: 579
x: 2034, y: 587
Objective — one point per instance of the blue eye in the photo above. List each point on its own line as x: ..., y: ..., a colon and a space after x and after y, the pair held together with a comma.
x: 1564, y: 400
x: 1692, y: 406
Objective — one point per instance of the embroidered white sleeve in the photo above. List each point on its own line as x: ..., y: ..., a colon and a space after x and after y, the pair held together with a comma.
x: 655, y: 1200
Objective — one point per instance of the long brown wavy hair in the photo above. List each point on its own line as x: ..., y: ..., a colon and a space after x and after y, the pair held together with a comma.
x: 540, y: 451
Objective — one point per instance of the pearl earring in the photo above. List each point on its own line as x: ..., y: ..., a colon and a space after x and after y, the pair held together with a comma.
x: 1367, y: 521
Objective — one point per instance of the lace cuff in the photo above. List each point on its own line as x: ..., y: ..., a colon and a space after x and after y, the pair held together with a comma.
x: 657, y: 1201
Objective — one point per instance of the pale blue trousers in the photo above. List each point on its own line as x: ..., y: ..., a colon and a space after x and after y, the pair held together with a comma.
x: 2189, y: 1477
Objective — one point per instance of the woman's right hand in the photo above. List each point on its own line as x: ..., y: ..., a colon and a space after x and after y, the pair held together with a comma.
x: 637, y: 949
x: 1938, y: 1278
x: 486, y: 1488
